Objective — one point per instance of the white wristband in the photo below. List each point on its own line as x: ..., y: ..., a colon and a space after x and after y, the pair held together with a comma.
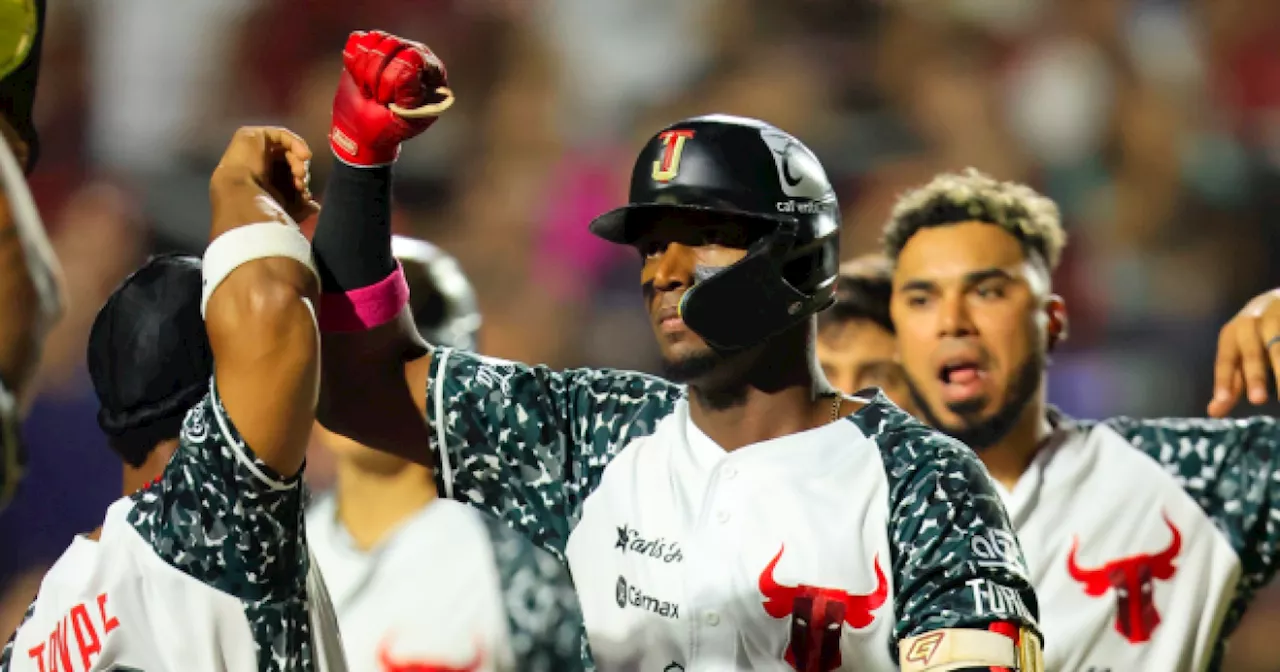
x: 244, y: 244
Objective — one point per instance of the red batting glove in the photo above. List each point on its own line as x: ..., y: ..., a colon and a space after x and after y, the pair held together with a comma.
x: 381, y: 69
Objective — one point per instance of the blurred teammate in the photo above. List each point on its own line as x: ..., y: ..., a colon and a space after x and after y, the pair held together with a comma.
x: 206, y: 568
x: 426, y: 584
x: 856, y: 344
x: 1143, y: 559
x: 709, y: 530
x: 30, y: 279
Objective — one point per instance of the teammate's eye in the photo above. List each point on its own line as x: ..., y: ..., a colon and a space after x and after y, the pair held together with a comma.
x: 990, y: 291
x: 917, y: 300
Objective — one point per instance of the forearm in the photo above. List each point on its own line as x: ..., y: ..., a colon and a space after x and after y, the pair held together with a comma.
x: 365, y: 394
x: 265, y: 344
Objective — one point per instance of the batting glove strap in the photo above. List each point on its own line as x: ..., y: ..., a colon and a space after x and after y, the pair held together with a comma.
x: 957, y: 650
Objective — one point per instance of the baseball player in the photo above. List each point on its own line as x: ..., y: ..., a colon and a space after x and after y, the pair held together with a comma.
x: 1143, y: 559
x: 754, y: 518
x: 384, y: 542
x: 30, y: 278
x: 206, y: 568
x: 856, y: 343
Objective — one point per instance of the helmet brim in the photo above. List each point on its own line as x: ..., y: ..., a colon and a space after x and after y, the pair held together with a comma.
x: 629, y: 223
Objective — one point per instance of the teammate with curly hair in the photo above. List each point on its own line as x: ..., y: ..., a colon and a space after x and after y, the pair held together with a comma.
x: 1146, y: 538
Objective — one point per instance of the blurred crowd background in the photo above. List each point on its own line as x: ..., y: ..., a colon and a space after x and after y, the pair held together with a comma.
x: 1155, y: 124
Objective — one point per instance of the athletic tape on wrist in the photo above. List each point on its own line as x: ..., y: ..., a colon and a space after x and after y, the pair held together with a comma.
x: 244, y: 244
x: 962, y: 649
x: 367, y: 307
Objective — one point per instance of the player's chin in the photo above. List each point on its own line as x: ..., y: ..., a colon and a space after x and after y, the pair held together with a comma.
x: 960, y: 415
x: 688, y: 363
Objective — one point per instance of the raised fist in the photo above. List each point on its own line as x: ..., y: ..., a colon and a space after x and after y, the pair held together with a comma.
x: 391, y: 90
x: 263, y: 175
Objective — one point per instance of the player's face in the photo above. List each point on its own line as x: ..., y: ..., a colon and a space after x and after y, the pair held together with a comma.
x: 857, y: 354
x: 677, y: 251
x: 969, y: 309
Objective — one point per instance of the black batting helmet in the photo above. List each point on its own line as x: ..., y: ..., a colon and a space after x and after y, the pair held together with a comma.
x: 440, y: 296
x: 748, y: 169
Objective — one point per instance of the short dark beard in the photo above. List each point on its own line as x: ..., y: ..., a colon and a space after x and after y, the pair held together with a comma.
x: 699, y: 367
x: 693, y: 367
x: 983, y: 434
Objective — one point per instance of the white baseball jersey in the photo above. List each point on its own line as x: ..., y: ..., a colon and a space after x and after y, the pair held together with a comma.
x: 815, y: 551
x: 1146, y: 559
x: 205, y: 570
x: 449, y: 589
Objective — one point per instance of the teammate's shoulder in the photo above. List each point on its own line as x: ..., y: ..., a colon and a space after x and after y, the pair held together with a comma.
x: 614, y: 384
x: 627, y: 385
x: 896, y: 431
x: 916, y: 455
x: 1173, y: 428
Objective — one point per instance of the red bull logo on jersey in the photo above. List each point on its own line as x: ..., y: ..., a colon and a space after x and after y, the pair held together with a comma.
x: 1133, y: 581
x: 388, y: 664
x: 817, y: 616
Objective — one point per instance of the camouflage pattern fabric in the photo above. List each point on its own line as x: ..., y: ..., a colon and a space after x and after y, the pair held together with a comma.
x: 529, y: 445
x: 956, y: 561
x: 236, y: 526
x: 1231, y: 468
x: 543, y: 615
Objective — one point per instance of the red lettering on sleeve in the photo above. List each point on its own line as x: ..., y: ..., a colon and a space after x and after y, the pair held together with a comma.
x: 107, y: 624
x: 37, y: 653
x: 80, y: 623
x: 62, y: 649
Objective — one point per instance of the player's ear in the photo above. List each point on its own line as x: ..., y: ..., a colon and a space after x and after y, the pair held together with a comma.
x: 1056, y: 322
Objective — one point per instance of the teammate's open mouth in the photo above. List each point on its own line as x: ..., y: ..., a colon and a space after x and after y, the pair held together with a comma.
x: 962, y: 379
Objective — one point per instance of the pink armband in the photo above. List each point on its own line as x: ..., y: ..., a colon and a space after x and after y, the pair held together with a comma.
x: 365, y: 308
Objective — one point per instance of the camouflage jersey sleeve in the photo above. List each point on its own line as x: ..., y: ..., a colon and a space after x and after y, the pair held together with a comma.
x: 528, y: 444
x: 543, y: 615
x: 1231, y: 468
x: 223, y: 517
x: 956, y: 561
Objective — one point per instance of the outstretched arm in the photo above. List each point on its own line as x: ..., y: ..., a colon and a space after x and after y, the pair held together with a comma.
x: 260, y: 292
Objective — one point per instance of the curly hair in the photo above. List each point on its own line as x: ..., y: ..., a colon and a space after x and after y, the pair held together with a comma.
x: 975, y: 196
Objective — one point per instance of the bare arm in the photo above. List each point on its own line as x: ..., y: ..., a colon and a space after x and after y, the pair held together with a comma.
x: 374, y: 388
x: 261, y: 326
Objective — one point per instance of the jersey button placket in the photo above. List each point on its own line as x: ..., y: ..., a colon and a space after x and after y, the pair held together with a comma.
x: 715, y: 639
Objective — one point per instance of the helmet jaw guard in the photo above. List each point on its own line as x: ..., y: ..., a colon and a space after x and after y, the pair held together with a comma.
x: 750, y: 301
